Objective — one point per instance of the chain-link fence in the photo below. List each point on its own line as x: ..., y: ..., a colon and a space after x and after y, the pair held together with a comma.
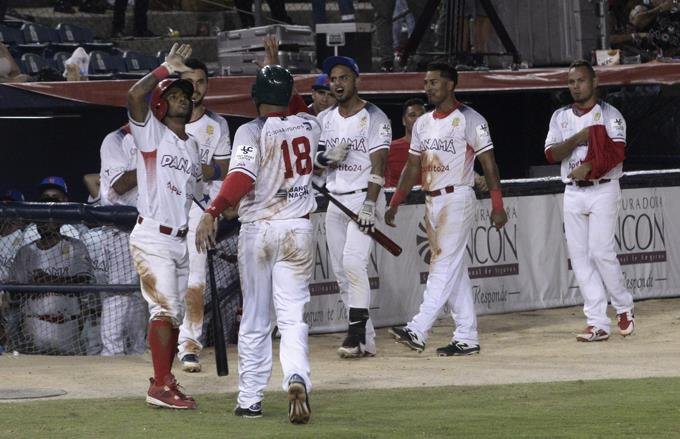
x: 71, y: 289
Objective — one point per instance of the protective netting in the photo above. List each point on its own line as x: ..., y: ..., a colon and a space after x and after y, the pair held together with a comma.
x: 71, y: 289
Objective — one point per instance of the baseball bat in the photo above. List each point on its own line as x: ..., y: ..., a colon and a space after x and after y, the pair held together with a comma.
x: 376, y: 234
x: 217, y: 325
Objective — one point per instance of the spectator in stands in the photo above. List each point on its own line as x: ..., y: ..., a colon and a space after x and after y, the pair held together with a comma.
x: 398, y: 154
x: 245, y: 12
x: 140, y: 28
x: 346, y: 11
x: 9, y: 70
x: 646, y: 28
x: 322, y: 97
x: 11, y: 239
x: 52, y: 320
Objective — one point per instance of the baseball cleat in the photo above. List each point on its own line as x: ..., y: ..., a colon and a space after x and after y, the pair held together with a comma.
x: 254, y: 411
x: 353, y: 348
x: 458, y: 348
x: 626, y: 323
x: 168, y: 395
x: 407, y: 337
x: 190, y: 363
x: 298, y: 401
x: 592, y: 333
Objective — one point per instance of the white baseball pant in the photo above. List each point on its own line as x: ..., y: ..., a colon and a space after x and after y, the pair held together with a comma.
x: 448, y: 219
x: 350, y: 251
x: 275, y: 263
x: 162, y: 262
x: 590, y: 215
x: 123, y: 324
x: 191, y: 330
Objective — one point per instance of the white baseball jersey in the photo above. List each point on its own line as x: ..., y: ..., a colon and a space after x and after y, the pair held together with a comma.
x: 212, y: 134
x: 367, y: 131
x: 448, y: 146
x: 168, y: 172
x: 565, y: 123
x: 278, y: 153
x: 9, y: 245
x: 118, y: 155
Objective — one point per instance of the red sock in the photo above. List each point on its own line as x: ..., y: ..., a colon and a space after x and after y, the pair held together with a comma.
x: 174, y: 336
x: 162, y: 348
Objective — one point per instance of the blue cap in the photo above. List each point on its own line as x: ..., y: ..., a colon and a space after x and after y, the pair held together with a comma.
x: 12, y: 195
x: 346, y: 61
x: 321, y: 83
x: 53, y: 182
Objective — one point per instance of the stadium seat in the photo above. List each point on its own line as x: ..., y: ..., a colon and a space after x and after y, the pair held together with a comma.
x: 70, y: 34
x: 138, y: 64
x: 32, y: 64
x: 104, y: 65
x: 59, y: 58
x: 11, y: 36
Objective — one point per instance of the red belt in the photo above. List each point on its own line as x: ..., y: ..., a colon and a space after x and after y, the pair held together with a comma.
x: 181, y: 233
x: 438, y: 192
x: 586, y: 183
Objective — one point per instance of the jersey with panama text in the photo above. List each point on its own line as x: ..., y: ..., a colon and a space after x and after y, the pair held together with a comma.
x: 212, y: 134
x: 278, y: 153
x: 565, y: 123
x: 447, y: 147
x: 168, y: 172
x: 367, y: 131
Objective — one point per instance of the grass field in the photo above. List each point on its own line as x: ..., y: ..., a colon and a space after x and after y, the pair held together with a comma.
x: 645, y: 408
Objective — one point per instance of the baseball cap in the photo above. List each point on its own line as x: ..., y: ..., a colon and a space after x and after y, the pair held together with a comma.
x: 12, y: 195
x: 53, y: 182
x: 183, y: 84
x: 346, y: 61
x: 321, y: 82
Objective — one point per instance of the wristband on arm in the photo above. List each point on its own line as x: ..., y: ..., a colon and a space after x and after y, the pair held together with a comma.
x: 496, y: 199
x: 163, y: 71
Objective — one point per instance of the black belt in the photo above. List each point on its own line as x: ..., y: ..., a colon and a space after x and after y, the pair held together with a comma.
x: 587, y: 183
x: 166, y: 230
x: 358, y: 191
x: 57, y: 318
x: 438, y: 192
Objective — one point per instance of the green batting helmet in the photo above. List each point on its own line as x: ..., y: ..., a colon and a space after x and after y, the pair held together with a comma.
x: 273, y: 86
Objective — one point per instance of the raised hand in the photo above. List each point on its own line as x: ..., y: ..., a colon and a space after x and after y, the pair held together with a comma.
x: 176, y: 57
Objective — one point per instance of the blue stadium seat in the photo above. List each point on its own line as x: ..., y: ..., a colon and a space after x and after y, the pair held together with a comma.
x: 32, y: 64
x: 70, y: 34
x: 105, y: 65
x: 11, y: 36
x: 58, y: 59
x: 138, y: 64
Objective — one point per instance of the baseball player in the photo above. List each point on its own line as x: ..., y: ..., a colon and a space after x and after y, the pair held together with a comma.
x: 443, y: 144
x: 270, y: 174
x: 168, y: 177
x: 212, y: 134
x: 356, y: 181
x: 398, y: 154
x: 322, y: 97
x: 591, y: 199
x: 123, y: 316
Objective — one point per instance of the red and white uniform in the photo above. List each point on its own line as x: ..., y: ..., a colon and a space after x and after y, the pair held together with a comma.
x: 275, y: 248
x: 212, y: 134
x: 168, y: 177
x: 367, y: 131
x: 590, y: 215
x: 447, y: 145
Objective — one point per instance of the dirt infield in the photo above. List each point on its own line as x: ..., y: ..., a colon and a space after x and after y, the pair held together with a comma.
x: 536, y: 346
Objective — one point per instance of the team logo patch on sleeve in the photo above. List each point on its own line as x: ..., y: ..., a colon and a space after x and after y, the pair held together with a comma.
x: 246, y: 153
x: 483, y: 134
x: 385, y: 130
x: 618, y: 127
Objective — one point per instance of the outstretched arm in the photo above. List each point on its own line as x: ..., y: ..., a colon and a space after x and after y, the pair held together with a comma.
x: 174, y: 62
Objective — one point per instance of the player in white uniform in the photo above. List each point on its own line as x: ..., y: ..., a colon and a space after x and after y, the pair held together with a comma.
x: 123, y: 315
x: 168, y: 177
x: 11, y: 239
x: 356, y: 181
x: 591, y: 202
x: 212, y: 134
x: 444, y: 144
x: 270, y: 174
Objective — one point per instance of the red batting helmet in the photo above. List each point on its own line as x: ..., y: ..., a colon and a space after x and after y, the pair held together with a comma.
x: 158, y: 104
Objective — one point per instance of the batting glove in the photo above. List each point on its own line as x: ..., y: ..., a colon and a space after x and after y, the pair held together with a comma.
x: 366, y: 216
x: 333, y: 155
